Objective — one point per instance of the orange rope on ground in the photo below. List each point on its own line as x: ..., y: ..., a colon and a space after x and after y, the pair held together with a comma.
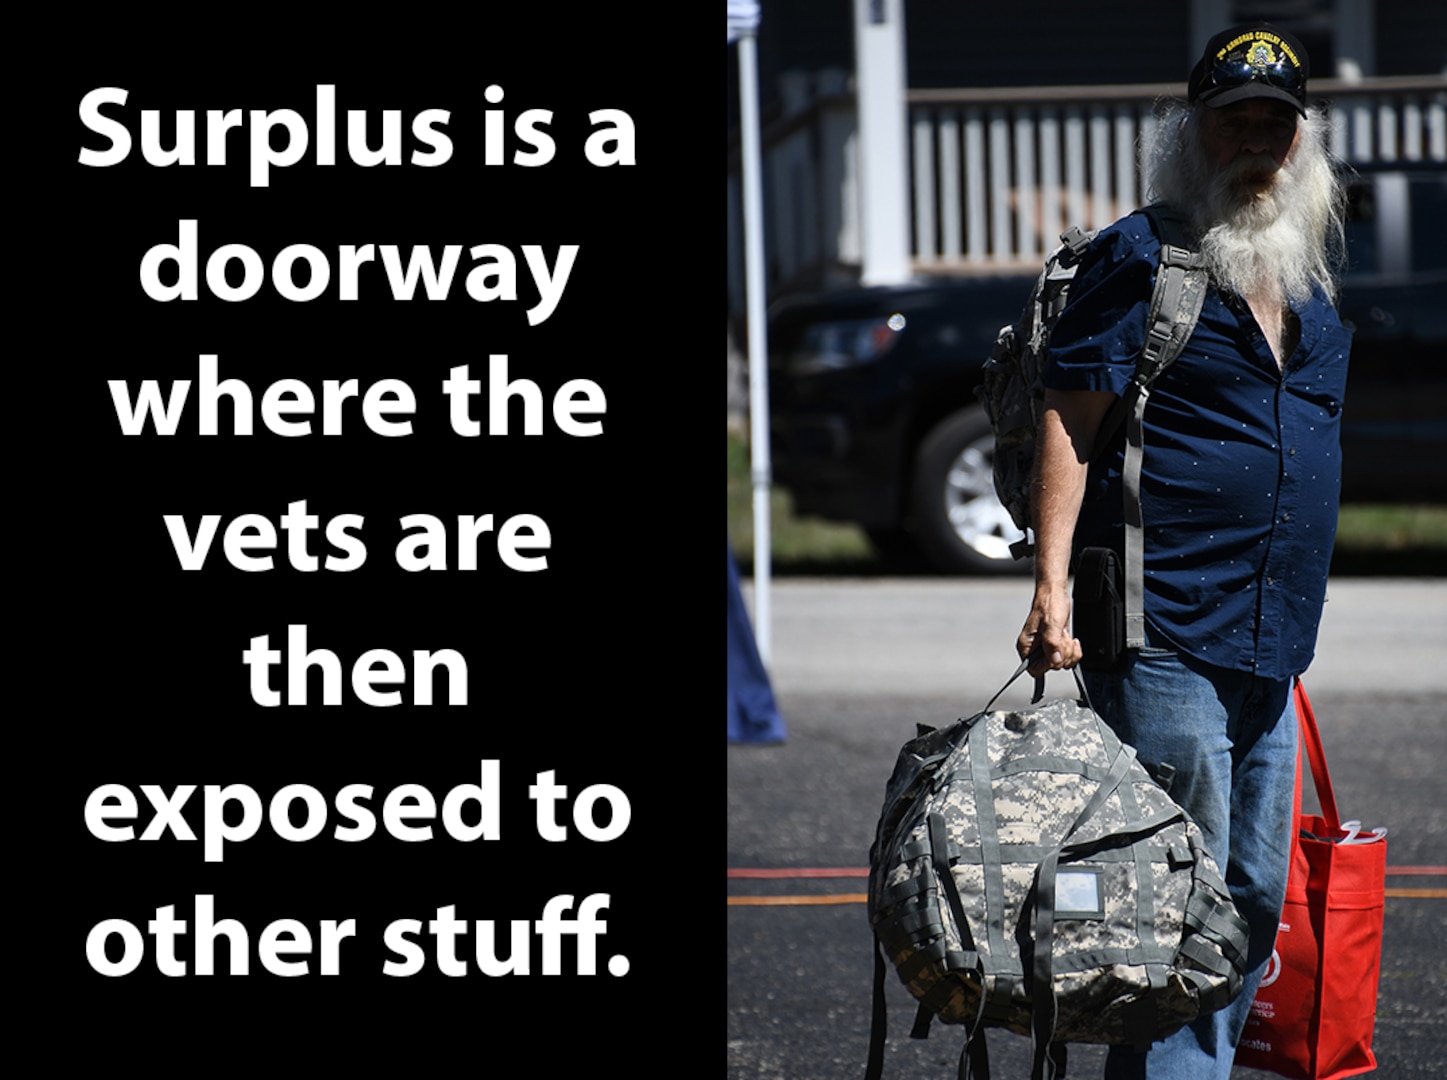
x: 1429, y: 894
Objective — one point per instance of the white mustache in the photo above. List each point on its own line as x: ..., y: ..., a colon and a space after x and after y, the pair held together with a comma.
x: 1249, y: 167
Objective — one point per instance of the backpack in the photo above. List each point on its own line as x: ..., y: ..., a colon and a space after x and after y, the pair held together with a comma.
x: 1027, y: 872
x: 1013, y: 394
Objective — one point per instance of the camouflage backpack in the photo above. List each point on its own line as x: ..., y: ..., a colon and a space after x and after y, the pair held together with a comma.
x: 1011, y: 389
x: 1027, y: 872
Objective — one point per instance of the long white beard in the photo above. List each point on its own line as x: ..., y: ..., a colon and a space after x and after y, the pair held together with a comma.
x: 1284, y: 241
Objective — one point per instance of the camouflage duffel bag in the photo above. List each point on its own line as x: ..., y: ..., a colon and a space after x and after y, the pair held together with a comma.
x: 1027, y: 872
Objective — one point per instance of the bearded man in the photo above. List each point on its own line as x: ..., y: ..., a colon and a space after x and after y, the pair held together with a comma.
x: 1239, y: 480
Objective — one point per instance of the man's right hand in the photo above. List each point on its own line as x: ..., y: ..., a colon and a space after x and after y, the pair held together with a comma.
x: 1045, y: 639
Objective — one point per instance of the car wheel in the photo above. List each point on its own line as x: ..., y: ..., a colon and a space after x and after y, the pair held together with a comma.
x: 958, y: 521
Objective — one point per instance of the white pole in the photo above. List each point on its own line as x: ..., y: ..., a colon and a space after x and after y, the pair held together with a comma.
x: 879, y: 72
x: 758, y: 356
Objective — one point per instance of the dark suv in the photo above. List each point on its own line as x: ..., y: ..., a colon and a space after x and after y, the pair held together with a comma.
x: 874, y: 419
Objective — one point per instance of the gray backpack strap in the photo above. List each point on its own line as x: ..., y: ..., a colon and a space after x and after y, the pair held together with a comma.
x: 1176, y: 301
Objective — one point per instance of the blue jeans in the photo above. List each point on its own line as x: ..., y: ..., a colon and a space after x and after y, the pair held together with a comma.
x: 1231, y: 738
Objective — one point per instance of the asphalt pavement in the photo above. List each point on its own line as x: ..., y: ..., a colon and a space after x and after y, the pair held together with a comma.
x: 856, y: 663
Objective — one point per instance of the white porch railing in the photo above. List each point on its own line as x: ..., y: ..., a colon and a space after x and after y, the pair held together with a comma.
x: 998, y: 174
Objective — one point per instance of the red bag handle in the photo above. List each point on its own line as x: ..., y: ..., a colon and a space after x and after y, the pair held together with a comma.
x: 1316, y: 756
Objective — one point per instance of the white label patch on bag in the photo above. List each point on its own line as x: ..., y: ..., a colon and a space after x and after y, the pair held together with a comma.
x: 1078, y: 894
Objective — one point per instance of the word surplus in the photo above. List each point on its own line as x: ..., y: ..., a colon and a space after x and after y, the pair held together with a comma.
x: 290, y: 937
x: 282, y: 137
x: 408, y: 811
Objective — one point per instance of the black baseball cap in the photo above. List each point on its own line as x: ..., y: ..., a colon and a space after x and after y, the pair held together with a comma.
x: 1257, y: 61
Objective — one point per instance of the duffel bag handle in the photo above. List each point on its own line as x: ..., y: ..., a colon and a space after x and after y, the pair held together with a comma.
x: 1039, y: 685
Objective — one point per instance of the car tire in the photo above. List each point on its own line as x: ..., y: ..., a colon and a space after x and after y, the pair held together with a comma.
x: 957, y: 520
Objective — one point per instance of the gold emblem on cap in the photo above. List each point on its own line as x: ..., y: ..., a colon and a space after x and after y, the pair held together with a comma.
x: 1260, y: 55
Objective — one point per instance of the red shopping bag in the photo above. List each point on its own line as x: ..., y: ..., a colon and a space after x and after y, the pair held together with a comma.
x: 1314, y: 1011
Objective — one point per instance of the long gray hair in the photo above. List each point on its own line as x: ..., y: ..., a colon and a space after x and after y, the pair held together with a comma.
x: 1291, y: 238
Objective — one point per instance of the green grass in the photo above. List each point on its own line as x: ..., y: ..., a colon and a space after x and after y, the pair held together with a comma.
x: 797, y: 542
x: 1392, y: 528
x: 1371, y: 538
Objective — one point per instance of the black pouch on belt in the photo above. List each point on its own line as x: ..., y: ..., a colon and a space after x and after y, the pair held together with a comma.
x: 1098, y: 609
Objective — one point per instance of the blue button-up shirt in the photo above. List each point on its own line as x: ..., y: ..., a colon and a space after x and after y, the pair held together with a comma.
x: 1242, y: 463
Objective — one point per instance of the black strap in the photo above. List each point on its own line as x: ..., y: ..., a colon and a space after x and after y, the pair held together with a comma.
x: 923, y: 1017
x: 874, y: 1066
x: 975, y: 1057
x: 1039, y: 691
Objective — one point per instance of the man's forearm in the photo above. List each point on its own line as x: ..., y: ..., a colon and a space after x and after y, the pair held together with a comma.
x: 1066, y: 439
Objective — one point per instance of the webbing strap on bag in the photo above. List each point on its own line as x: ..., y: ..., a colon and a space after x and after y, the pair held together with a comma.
x: 1046, y: 1065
